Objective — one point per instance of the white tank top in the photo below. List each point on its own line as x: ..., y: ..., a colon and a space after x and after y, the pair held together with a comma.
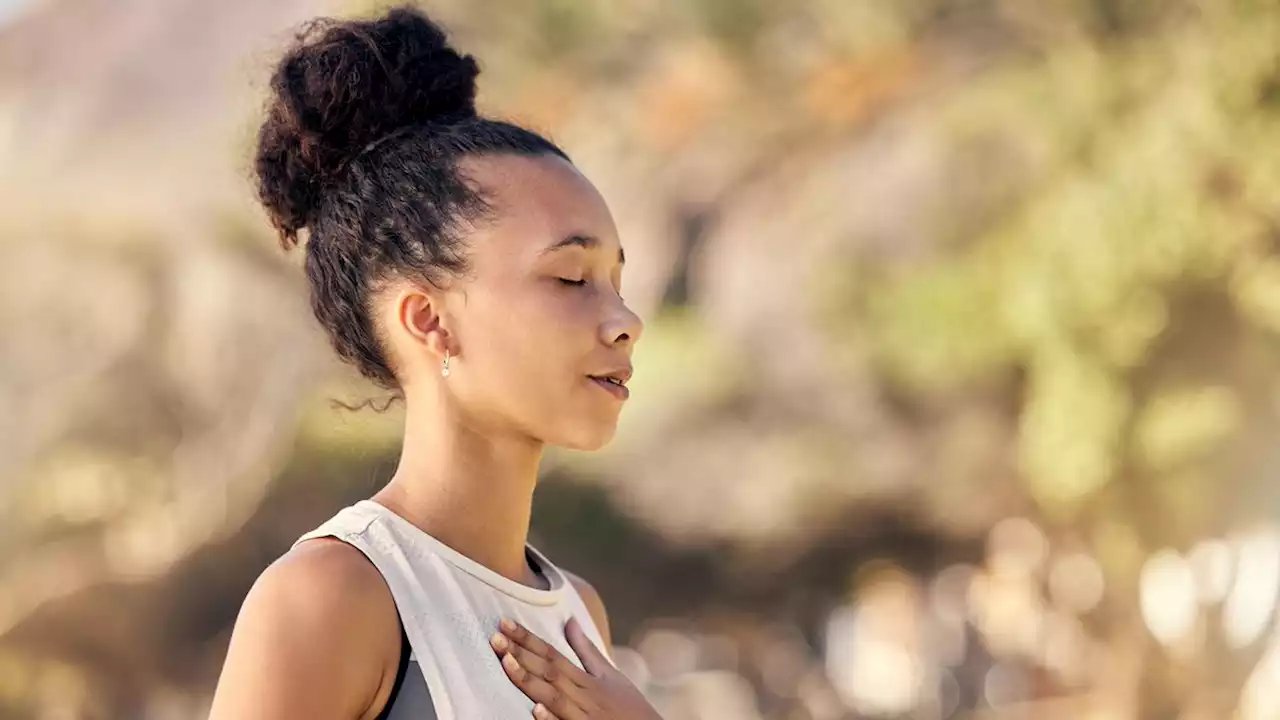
x: 449, y: 607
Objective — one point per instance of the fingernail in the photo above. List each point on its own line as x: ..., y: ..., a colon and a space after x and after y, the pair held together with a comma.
x: 539, y: 710
x: 499, y: 641
x: 507, y: 625
x: 510, y: 661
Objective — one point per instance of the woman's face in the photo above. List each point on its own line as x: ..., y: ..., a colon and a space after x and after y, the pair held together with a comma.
x: 539, y: 320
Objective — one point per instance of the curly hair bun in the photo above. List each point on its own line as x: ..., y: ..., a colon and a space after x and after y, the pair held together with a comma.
x: 344, y: 85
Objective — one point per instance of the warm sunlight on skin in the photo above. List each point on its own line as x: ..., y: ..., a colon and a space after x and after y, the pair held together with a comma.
x: 537, y: 316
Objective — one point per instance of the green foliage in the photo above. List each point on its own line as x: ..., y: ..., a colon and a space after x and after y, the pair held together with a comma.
x: 1154, y: 178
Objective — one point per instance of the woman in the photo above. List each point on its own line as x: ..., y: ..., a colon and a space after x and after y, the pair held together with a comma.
x: 465, y: 264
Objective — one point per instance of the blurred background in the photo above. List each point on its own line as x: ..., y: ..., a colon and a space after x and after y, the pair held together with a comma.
x: 958, y: 397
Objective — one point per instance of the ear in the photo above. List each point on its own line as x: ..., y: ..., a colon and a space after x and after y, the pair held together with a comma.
x: 418, y: 314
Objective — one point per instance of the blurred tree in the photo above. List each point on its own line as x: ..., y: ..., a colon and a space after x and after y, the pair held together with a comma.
x: 910, y: 266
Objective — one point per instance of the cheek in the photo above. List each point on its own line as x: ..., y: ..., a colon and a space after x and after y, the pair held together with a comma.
x: 529, y: 338
x: 529, y: 357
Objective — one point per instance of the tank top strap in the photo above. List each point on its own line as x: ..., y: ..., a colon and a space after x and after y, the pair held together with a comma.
x: 449, y: 606
x: 357, y: 526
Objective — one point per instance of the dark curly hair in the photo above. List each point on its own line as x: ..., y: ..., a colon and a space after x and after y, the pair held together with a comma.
x: 365, y: 127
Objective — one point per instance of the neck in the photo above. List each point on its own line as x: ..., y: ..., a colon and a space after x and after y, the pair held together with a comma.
x: 471, y: 491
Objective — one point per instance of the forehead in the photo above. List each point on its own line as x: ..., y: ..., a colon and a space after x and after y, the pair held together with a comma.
x: 539, y: 200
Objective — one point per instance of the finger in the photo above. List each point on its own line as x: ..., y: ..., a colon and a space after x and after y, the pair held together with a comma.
x: 540, y: 691
x: 545, y: 669
x: 540, y: 712
x: 521, y: 636
x: 592, y: 658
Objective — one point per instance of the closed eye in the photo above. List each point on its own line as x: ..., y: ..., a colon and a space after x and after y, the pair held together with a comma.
x: 575, y: 283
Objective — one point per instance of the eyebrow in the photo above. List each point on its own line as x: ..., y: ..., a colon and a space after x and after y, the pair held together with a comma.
x: 583, y: 241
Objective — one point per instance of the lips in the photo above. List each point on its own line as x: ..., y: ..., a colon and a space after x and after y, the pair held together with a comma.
x: 612, y: 387
x: 613, y: 382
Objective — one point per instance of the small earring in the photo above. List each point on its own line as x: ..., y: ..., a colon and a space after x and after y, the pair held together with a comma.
x: 445, y: 370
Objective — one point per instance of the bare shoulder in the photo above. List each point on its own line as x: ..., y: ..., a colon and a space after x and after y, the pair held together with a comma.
x: 595, y: 606
x: 327, y: 579
x: 315, y: 637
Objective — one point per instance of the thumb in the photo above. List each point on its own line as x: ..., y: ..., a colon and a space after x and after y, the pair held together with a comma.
x: 593, y: 661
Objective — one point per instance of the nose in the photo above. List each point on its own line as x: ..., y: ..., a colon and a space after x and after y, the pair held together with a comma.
x: 621, y: 326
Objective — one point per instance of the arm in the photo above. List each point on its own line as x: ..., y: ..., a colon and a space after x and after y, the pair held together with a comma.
x: 317, y: 637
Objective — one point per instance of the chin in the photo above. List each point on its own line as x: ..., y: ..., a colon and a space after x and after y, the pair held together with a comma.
x: 588, y: 439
